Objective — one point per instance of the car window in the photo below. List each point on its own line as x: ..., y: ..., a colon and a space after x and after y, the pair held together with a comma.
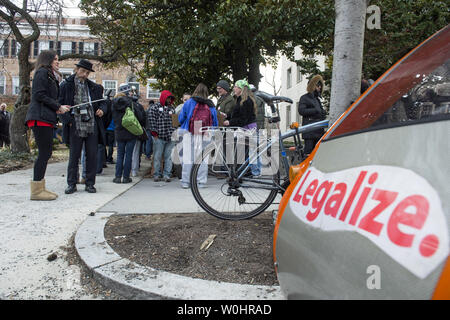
x: 429, y: 100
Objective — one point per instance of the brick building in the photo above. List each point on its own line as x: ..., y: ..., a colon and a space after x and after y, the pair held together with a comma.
x: 72, y: 36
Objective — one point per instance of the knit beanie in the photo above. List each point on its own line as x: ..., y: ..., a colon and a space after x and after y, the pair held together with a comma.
x: 241, y: 84
x: 223, y: 84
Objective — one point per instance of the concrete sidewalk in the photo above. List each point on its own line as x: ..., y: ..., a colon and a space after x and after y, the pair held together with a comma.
x: 31, y: 230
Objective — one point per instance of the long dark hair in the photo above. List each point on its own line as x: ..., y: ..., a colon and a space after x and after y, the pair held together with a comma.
x: 45, y: 59
x: 201, y: 91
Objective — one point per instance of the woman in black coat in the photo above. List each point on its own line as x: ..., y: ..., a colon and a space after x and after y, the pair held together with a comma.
x: 42, y: 118
x: 310, y: 108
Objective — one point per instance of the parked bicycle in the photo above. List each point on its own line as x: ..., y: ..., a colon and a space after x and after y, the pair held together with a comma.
x: 231, y: 192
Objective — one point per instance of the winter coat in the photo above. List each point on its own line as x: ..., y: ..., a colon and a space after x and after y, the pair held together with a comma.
x: 160, y: 117
x: 5, y: 118
x: 44, y: 97
x: 243, y: 114
x: 66, y: 97
x: 226, y: 105
x: 188, y: 109
x: 310, y: 108
x: 119, y: 106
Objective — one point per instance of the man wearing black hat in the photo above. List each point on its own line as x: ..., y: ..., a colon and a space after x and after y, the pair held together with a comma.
x: 83, y: 123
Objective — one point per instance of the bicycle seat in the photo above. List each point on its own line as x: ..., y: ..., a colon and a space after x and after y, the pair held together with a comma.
x: 270, y: 98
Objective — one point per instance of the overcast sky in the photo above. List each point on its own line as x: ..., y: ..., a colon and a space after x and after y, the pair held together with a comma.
x: 72, y: 9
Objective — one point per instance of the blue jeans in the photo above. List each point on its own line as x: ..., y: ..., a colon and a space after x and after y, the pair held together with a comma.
x: 124, y: 157
x: 256, y: 167
x: 148, y: 145
x: 162, y: 148
x: 193, y: 146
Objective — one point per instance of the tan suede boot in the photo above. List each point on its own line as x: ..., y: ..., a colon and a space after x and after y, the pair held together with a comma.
x: 55, y: 194
x: 38, y: 192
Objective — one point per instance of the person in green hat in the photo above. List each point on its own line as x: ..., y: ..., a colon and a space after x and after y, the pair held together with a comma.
x: 244, y: 116
x: 244, y: 112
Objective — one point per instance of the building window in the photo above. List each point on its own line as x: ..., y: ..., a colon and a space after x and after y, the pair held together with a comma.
x: 299, y: 75
x: 66, y: 47
x: 43, y: 45
x: 2, y: 84
x: 66, y: 72
x: 15, y: 86
x: 289, y: 78
x: 15, y: 48
x: 151, y: 92
x: 136, y: 85
x: 297, y: 114
x: 89, y: 48
x: 1, y: 47
x: 288, y: 116
x: 110, y: 84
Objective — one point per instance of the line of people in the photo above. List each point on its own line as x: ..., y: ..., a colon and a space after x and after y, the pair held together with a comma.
x: 86, y: 128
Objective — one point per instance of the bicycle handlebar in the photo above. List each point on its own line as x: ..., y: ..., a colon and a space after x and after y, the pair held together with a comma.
x: 269, y: 98
x: 305, y: 128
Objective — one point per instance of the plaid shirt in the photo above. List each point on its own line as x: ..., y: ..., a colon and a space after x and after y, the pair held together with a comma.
x: 160, y: 121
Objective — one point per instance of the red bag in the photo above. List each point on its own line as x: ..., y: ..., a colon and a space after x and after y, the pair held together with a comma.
x: 202, y: 114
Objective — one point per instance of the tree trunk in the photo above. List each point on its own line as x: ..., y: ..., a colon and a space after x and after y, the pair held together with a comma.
x: 348, y: 54
x: 254, y: 76
x: 239, y: 65
x: 17, y: 129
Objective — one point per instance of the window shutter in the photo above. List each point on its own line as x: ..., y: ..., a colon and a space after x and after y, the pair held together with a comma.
x: 58, y: 48
x: 13, y: 48
x: 6, y: 48
x: 80, y: 47
x: 36, y: 48
x: 96, y: 48
x: 74, y: 47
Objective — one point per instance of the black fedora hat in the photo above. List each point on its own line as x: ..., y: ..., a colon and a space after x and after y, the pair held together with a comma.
x: 83, y: 63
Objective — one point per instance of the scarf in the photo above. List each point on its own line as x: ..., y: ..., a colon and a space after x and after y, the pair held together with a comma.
x: 83, y: 128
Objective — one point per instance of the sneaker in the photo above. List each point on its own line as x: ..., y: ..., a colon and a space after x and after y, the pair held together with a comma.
x: 202, y: 185
x: 185, y: 186
x: 133, y: 174
x: 117, y: 180
x: 167, y: 179
x: 157, y: 179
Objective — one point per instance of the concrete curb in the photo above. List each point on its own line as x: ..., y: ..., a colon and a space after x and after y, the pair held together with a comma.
x: 135, y: 281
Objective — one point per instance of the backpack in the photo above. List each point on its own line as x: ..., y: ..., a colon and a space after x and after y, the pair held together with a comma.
x: 131, y: 123
x: 201, y: 114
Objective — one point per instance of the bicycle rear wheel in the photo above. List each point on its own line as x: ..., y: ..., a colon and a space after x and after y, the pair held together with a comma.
x: 222, y: 194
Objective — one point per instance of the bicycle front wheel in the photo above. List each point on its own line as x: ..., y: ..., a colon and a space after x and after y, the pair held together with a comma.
x: 227, y: 191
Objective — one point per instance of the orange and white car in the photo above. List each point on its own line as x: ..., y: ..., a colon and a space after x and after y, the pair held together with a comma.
x: 367, y: 214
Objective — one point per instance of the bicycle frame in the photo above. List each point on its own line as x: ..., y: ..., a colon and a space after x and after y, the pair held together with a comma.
x: 281, y: 137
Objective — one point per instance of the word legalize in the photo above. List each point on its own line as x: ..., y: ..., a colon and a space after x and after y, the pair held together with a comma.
x: 231, y: 309
x: 396, y: 209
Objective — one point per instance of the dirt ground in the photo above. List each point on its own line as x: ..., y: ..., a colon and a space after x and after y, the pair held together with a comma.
x: 240, y: 252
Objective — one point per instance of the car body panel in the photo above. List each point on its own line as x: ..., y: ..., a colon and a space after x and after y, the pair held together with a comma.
x: 314, y: 262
